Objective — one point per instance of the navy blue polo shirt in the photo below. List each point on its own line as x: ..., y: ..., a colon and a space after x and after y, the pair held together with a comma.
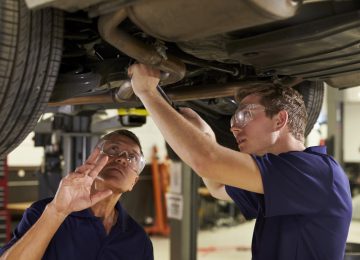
x: 83, y: 236
x: 306, y: 208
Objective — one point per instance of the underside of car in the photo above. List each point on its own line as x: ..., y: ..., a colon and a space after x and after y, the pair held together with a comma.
x: 205, y: 49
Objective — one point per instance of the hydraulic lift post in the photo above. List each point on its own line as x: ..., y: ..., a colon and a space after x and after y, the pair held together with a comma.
x: 183, y: 235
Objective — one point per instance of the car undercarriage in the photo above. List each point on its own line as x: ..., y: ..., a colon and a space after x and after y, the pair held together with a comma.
x: 205, y: 49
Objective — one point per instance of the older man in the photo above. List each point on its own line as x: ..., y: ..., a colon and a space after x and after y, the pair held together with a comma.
x: 85, y: 219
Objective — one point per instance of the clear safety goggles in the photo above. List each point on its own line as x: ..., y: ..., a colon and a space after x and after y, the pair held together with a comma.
x: 243, y: 115
x: 117, y: 149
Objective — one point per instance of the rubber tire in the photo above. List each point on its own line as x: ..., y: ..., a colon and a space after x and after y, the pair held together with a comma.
x: 30, y: 56
x: 313, y: 94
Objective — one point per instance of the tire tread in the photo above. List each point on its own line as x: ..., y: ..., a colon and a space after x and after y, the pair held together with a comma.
x: 31, y: 55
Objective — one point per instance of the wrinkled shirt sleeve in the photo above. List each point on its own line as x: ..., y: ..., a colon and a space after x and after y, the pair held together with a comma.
x: 294, y: 184
x: 247, y: 202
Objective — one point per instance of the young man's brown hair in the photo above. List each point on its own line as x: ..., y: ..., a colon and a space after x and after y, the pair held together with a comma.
x: 277, y: 98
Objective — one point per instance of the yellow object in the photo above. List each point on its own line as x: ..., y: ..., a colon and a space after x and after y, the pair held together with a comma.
x: 132, y: 112
x: 18, y: 208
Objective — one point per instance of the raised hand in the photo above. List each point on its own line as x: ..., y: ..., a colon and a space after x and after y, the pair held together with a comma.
x: 74, y: 192
x: 143, y: 78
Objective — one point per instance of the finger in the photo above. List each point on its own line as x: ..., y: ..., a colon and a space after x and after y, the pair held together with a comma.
x: 76, y: 174
x: 100, y: 163
x: 84, y: 167
x: 89, y: 163
x: 98, y: 196
x: 81, y: 174
x: 93, y: 156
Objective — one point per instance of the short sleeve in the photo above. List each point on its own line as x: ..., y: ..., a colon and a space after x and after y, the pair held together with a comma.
x: 30, y: 216
x: 149, y: 253
x: 247, y: 202
x: 294, y: 182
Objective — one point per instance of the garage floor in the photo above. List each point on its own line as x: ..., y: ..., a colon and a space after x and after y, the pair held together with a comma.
x: 228, y: 242
x: 220, y: 243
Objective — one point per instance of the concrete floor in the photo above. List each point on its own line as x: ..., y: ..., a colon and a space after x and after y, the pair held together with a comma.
x: 228, y: 243
x: 234, y: 242
x: 219, y: 243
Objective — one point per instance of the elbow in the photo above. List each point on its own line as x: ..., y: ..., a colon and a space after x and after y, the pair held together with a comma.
x: 214, y: 194
x: 3, y: 256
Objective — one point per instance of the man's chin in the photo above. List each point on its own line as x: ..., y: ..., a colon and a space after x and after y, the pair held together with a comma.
x: 111, y: 173
x: 247, y: 150
x: 109, y: 183
x: 242, y: 148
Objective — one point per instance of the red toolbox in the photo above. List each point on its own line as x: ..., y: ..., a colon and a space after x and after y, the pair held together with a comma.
x: 5, y: 223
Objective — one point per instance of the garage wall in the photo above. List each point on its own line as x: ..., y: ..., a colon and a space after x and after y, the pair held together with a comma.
x: 352, y: 125
x: 351, y: 132
x: 26, y: 154
x: 149, y: 136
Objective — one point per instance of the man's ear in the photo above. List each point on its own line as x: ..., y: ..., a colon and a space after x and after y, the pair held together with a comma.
x: 281, y: 119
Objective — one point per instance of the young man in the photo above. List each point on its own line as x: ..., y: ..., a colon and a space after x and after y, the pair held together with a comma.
x: 85, y: 219
x: 300, y: 197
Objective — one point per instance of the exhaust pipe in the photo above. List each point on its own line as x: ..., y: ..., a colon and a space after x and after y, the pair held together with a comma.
x: 176, y: 94
x: 109, y: 30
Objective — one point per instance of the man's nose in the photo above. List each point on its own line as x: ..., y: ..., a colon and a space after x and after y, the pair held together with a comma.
x: 122, y: 159
x: 235, y: 129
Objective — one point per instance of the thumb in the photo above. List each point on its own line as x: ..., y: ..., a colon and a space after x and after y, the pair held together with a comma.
x: 100, y: 195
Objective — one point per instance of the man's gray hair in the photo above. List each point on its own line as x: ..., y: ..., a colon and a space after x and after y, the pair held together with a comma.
x: 124, y: 132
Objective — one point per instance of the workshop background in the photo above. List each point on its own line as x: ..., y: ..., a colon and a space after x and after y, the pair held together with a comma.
x: 164, y: 201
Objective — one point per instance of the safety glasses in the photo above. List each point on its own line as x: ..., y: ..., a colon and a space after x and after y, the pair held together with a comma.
x: 120, y: 150
x: 244, y: 114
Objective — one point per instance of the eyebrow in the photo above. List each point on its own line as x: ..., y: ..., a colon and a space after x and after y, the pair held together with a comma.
x: 134, y: 151
x: 120, y: 142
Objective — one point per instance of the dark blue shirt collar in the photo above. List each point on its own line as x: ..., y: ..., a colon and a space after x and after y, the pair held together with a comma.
x: 121, y: 219
x: 316, y: 149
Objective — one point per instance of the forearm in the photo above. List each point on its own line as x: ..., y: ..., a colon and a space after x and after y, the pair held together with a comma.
x: 207, y: 158
x: 34, y: 242
x: 190, y: 143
